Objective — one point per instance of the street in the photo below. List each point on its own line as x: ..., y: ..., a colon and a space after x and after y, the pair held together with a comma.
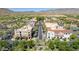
x: 40, y: 30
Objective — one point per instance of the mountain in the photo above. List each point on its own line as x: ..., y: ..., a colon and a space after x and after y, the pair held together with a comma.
x: 5, y: 11
x: 51, y: 11
x: 64, y: 11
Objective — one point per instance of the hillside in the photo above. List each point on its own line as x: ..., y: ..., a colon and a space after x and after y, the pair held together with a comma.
x: 51, y: 11
x: 64, y: 11
x: 4, y: 11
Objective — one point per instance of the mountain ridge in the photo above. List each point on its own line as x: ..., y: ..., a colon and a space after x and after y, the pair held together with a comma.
x: 51, y: 11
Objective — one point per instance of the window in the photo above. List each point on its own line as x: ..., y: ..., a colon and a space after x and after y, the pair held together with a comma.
x: 48, y: 35
x: 56, y: 27
x: 66, y: 33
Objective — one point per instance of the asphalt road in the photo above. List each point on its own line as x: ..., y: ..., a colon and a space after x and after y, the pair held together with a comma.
x: 40, y: 30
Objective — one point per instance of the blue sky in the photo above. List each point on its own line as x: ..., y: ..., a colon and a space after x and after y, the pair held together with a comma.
x: 28, y: 9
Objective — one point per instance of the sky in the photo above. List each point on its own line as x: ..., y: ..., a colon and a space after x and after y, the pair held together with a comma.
x: 28, y: 9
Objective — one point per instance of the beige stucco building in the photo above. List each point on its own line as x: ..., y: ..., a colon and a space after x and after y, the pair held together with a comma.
x: 25, y: 31
x: 54, y: 30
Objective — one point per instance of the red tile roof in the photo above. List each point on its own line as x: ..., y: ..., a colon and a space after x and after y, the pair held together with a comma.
x: 57, y: 30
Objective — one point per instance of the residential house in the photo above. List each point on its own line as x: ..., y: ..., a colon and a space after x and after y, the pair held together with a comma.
x: 25, y: 31
x: 55, y: 30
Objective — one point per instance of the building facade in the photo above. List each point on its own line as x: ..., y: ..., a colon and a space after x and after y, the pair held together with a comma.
x: 56, y: 31
x: 25, y: 32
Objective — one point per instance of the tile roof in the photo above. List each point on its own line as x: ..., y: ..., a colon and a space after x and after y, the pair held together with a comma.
x: 59, y: 30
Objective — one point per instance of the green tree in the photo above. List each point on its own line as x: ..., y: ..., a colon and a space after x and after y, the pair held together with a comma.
x: 38, y: 18
x: 3, y: 44
x: 63, y: 46
x: 31, y: 43
x: 56, y: 44
x: 51, y: 44
x: 20, y: 45
x: 73, y: 36
x: 75, y: 45
x: 23, y: 45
